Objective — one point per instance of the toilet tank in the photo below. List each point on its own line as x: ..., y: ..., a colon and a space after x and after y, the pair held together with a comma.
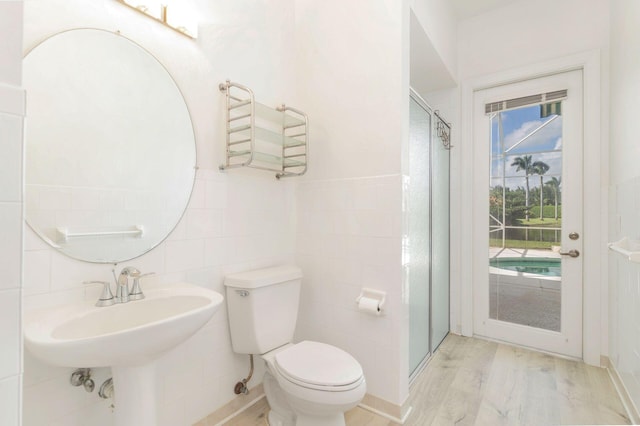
x: 263, y: 307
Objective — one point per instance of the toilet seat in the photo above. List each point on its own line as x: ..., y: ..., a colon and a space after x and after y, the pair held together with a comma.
x: 319, y: 366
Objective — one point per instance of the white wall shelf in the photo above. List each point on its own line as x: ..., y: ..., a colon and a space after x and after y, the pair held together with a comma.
x: 628, y: 248
x: 261, y: 137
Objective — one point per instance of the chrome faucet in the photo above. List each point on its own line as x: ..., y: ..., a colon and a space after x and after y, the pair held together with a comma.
x: 122, y: 284
x: 123, y: 295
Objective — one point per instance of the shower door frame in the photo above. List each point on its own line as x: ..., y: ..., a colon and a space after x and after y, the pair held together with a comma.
x: 433, y: 138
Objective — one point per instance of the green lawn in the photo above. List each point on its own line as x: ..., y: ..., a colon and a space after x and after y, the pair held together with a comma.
x: 549, y: 211
x: 496, y: 242
x: 535, y: 221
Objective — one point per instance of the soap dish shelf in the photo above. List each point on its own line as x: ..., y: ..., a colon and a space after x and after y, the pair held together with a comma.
x: 628, y: 248
x: 261, y: 137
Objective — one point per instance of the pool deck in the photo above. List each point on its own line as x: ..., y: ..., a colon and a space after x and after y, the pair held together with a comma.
x: 522, y: 298
x: 530, y: 253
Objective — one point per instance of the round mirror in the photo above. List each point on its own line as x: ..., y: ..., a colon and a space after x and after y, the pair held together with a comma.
x: 110, y: 153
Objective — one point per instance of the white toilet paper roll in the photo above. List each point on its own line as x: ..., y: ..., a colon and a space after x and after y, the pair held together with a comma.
x: 368, y: 305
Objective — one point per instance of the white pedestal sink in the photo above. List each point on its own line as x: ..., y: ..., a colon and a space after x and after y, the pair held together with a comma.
x: 127, y: 337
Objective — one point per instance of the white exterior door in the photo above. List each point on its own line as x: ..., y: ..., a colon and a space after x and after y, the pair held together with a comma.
x: 527, y: 209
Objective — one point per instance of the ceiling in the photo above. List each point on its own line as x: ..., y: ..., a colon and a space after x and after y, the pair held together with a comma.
x: 468, y: 8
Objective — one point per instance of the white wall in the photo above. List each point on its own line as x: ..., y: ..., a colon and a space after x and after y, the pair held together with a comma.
x: 235, y: 221
x: 512, y: 40
x: 352, y: 74
x: 349, y: 75
x: 527, y: 32
x: 349, y: 205
x: 349, y: 237
x: 437, y: 18
x: 624, y: 200
x: 353, y: 80
x: 428, y: 72
x: 625, y: 87
x: 11, y: 124
x: 349, y: 210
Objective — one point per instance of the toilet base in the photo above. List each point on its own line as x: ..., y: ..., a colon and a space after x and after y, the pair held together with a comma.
x: 281, y: 413
x: 275, y: 419
x: 301, y: 420
x: 334, y: 420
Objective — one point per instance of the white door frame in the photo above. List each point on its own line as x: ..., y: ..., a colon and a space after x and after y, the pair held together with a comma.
x: 595, y: 195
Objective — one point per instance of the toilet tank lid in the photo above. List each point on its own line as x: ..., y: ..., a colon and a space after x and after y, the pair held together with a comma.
x: 263, y: 277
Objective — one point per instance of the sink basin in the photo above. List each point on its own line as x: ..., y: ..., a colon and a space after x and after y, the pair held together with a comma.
x: 128, y: 334
x: 127, y: 337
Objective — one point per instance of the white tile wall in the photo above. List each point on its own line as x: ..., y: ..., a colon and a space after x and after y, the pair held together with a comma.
x: 10, y: 401
x: 198, y: 376
x: 11, y: 119
x: 624, y: 198
x: 11, y: 36
x: 10, y: 333
x: 10, y: 229
x: 350, y: 202
x: 346, y: 233
x: 10, y: 167
x: 235, y: 221
x: 349, y: 237
x: 624, y: 288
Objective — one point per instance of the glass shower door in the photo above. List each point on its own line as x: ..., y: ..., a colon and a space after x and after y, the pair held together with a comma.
x: 417, y: 249
x: 439, y: 243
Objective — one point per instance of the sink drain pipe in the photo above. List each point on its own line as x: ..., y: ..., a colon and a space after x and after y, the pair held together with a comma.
x: 241, y: 387
x: 106, y: 390
x: 82, y: 377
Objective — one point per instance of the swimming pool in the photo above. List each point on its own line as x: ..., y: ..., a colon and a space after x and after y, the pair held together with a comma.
x: 530, y: 265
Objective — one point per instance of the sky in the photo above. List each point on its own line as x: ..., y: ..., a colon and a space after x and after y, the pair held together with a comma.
x: 545, y: 145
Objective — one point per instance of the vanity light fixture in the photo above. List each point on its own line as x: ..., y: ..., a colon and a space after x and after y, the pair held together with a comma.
x: 190, y: 30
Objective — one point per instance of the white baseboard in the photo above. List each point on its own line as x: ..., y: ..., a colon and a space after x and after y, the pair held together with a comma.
x: 233, y: 407
x: 627, y: 402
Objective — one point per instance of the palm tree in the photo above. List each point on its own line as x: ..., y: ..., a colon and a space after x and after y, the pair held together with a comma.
x: 540, y: 168
x: 524, y: 163
x: 555, y: 183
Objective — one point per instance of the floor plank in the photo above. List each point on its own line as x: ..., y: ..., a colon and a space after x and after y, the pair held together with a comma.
x: 256, y: 415
x: 474, y: 382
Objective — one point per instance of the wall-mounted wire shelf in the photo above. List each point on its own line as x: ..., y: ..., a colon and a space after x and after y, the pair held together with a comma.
x: 260, y: 137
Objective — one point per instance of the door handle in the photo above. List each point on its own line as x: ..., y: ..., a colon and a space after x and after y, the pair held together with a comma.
x: 570, y: 253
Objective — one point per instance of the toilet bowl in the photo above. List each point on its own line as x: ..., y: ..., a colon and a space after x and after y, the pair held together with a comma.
x: 307, y: 383
x: 311, y: 383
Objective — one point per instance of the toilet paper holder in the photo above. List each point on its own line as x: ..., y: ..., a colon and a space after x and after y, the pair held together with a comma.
x: 370, y: 298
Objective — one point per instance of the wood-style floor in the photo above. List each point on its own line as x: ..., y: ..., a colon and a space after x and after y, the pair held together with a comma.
x: 476, y: 382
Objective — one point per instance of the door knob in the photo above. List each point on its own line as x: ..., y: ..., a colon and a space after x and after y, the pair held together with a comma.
x: 571, y: 253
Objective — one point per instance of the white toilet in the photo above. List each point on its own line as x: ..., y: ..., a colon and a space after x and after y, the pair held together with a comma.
x: 307, y: 383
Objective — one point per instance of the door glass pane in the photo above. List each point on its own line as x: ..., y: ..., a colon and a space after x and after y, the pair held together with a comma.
x: 525, y: 216
x: 417, y: 250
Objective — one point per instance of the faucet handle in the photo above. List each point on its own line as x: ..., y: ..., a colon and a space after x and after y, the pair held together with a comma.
x: 131, y: 271
x: 136, y: 291
x: 106, y: 298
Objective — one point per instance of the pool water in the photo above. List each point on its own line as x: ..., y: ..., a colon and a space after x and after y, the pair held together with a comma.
x: 532, y: 265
